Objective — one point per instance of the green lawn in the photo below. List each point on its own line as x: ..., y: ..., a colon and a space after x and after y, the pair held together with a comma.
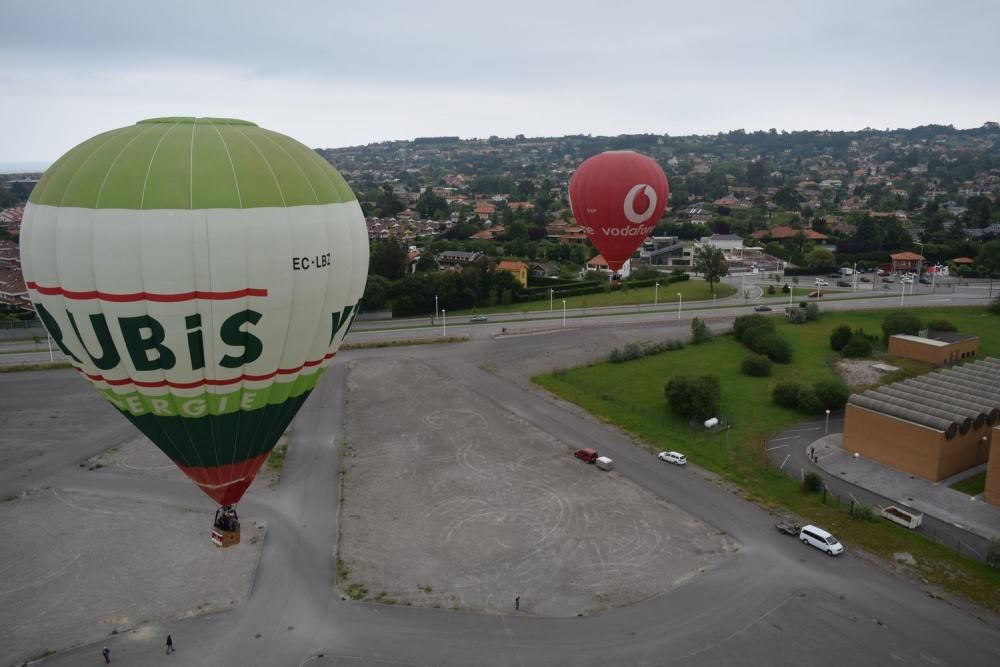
x: 971, y: 486
x: 692, y: 290
x: 631, y: 396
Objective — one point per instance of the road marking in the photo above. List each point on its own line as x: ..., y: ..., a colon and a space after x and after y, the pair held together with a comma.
x: 787, y: 437
x: 771, y: 449
x: 794, y: 430
x: 787, y: 456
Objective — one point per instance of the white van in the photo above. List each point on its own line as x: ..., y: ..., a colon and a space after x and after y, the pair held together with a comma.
x: 821, y: 539
x: 604, y: 463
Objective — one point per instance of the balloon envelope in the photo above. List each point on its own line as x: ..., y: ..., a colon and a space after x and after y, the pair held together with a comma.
x: 618, y: 197
x: 201, y: 273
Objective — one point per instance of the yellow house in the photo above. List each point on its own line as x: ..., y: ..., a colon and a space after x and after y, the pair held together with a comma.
x: 519, y: 269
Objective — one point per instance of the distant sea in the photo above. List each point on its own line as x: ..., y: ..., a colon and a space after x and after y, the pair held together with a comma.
x: 23, y: 167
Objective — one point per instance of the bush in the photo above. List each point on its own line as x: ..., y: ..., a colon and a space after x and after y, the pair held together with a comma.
x: 941, y: 325
x: 771, y: 290
x: 700, y: 333
x: 839, y: 337
x: 638, y: 350
x: 694, y: 397
x: 757, y: 366
x: 774, y: 346
x: 900, y: 323
x: 831, y: 394
x: 812, y: 312
x: 786, y: 394
x: 809, y: 402
x: 812, y: 482
x: 744, y: 323
x: 858, y: 347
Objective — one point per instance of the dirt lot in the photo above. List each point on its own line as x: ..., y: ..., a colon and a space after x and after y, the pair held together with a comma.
x: 456, y: 503
x: 77, y: 565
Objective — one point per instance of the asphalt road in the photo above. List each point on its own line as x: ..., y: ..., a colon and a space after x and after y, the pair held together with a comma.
x: 776, y: 602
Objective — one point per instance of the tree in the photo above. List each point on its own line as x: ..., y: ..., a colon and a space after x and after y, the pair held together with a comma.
x: 711, y: 263
x: 430, y: 205
x: 988, y: 258
x: 819, y: 258
x: 900, y: 322
x: 389, y: 260
x: 694, y: 397
x: 376, y: 292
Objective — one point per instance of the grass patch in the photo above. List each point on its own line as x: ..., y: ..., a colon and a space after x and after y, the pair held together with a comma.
x: 403, y: 343
x: 631, y: 397
x: 276, y: 459
x: 356, y: 592
x: 972, y: 486
x: 692, y: 290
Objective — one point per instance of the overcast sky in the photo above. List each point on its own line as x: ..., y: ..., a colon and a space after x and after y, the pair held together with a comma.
x: 344, y: 73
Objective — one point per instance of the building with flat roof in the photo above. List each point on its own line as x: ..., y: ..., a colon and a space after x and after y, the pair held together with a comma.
x: 935, y: 347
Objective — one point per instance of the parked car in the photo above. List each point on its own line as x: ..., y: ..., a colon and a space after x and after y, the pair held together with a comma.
x: 907, y: 281
x: 833, y: 275
x: 479, y: 318
x: 762, y: 309
x: 865, y: 279
x: 815, y: 295
x: 821, y: 283
x: 588, y: 454
x: 604, y: 463
x: 673, y: 457
x: 822, y: 540
x: 843, y: 283
x: 925, y: 280
x: 887, y: 279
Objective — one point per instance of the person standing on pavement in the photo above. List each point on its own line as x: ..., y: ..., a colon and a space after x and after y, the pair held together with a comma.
x: 170, y: 644
x: 107, y: 654
x: 517, y: 603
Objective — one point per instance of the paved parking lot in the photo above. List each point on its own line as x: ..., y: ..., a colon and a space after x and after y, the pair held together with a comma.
x: 454, y: 502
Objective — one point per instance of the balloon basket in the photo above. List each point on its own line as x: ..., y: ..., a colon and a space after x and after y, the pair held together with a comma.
x: 225, y: 538
x: 226, y: 530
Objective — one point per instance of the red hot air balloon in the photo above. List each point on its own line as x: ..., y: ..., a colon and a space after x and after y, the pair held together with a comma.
x: 618, y: 197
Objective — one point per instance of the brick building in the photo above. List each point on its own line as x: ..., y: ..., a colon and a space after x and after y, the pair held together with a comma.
x: 932, y: 426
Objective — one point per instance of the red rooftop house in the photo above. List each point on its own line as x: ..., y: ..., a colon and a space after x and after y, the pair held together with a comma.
x: 906, y: 261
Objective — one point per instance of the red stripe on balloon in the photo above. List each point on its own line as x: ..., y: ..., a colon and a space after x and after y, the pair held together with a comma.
x: 93, y: 295
x: 208, y: 381
x: 225, y: 484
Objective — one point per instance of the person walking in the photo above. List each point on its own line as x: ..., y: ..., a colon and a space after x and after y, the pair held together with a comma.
x: 517, y: 603
x: 107, y: 654
x: 170, y: 644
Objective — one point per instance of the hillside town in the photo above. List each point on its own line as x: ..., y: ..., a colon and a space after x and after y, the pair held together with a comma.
x: 768, y: 200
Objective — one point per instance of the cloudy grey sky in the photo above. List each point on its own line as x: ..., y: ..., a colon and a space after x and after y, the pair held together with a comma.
x: 344, y: 73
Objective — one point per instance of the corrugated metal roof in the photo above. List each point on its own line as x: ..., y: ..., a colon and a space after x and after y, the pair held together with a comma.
x: 950, y: 400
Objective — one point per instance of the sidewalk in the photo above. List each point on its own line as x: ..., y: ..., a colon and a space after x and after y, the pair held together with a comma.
x: 932, y: 498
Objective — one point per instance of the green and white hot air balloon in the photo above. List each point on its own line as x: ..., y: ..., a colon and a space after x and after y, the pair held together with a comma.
x: 200, y: 273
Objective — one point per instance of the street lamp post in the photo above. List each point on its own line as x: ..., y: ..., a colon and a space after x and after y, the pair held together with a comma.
x: 444, y: 322
x: 827, y: 429
x: 656, y: 293
x: 920, y: 262
x: 680, y: 304
x: 550, y: 299
x: 435, y: 306
x: 564, y: 313
x: 791, y: 295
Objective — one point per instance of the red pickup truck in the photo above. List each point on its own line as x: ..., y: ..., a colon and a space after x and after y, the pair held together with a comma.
x: 588, y: 454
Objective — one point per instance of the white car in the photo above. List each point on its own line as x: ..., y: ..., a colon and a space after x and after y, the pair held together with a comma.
x: 673, y: 457
x: 821, y: 283
x: 822, y: 540
x: 907, y: 281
